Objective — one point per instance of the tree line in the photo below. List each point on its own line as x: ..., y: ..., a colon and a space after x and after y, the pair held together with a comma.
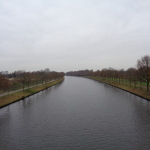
x: 139, y: 74
x: 22, y: 79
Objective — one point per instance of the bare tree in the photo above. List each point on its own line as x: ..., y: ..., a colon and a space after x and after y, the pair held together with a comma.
x: 143, y: 66
x: 29, y: 77
x: 4, y: 83
x: 131, y: 76
x: 121, y: 74
x: 41, y: 75
x: 23, y: 79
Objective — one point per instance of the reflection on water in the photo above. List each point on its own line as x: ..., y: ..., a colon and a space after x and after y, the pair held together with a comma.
x: 77, y: 114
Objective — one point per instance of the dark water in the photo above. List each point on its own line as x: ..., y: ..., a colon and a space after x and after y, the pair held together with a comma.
x: 78, y: 114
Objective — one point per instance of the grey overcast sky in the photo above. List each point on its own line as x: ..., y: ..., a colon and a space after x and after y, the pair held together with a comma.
x: 69, y: 35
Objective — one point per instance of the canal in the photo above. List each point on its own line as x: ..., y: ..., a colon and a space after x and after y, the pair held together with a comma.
x: 77, y: 114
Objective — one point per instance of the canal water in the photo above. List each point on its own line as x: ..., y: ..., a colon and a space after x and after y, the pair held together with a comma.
x: 77, y: 114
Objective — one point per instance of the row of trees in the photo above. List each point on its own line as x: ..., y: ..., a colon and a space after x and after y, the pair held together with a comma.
x: 26, y: 79
x: 141, y: 73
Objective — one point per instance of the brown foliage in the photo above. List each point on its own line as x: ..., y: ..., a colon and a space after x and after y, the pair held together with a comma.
x: 4, y: 83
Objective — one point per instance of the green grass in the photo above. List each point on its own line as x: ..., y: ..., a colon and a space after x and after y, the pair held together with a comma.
x: 11, y: 98
x: 124, y: 82
x: 135, y: 90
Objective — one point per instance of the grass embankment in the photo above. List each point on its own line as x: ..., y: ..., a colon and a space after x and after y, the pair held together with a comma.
x: 11, y: 98
x: 136, y: 91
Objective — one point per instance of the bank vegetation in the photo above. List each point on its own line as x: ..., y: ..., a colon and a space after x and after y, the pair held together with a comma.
x: 22, y: 79
x: 135, y: 79
x: 20, y: 95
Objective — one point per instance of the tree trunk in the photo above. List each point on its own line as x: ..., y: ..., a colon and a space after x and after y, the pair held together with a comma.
x: 147, y: 86
x: 140, y: 84
x: 134, y: 84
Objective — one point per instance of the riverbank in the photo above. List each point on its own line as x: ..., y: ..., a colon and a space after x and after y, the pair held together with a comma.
x: 14, y: 97
x: 136, y: 91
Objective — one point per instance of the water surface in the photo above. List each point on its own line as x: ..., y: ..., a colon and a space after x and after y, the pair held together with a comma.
x: 77, y: 114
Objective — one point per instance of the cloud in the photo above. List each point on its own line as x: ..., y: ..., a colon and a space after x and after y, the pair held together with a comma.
x: 69, y: 34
